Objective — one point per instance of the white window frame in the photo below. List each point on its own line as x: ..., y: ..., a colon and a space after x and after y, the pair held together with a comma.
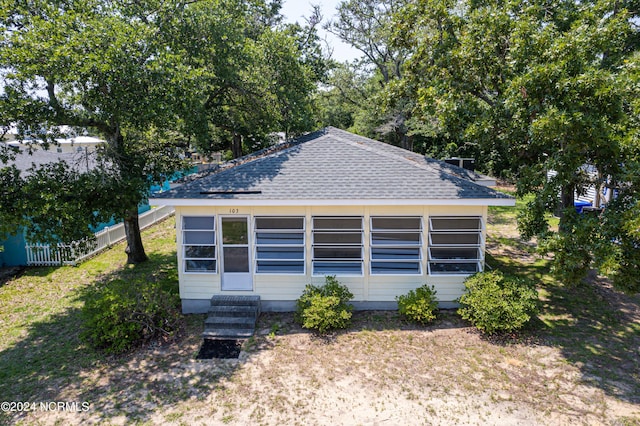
x: 478, y: 246
x: 328, y: 245
x: 302, y: 231
x: 185, y: 258
x: 417, y: 245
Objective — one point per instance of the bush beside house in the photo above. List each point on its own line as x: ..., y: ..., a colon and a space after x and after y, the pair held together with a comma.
x: 495, y: 302
x: 419, y: 305
x: 120, y: 315
x: 324, y: 308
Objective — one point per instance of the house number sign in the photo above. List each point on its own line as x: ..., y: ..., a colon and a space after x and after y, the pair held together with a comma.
x: 234, y: 211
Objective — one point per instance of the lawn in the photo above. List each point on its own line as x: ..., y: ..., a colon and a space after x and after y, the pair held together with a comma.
x: 579, y: 363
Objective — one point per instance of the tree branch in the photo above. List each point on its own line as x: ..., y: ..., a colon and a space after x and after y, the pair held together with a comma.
x: 63, y: 117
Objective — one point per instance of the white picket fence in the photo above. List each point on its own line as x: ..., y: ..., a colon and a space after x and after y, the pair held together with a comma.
x: 43, y: 255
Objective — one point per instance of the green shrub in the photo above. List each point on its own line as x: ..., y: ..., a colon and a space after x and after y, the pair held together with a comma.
x: 495, y: 302
x: 326, y: 307
x: 419, y: 305
x: 121, y: 315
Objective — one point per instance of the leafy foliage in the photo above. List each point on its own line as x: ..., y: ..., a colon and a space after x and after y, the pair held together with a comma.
x: 372, y: 103
x: 97, y: 66
x: 120, y: 315
x: 419, y: 305
x: 324, y: 308
x: 529, y: 87
x: 494, y: 302
x: 254, y: 77
x: 150, y: 78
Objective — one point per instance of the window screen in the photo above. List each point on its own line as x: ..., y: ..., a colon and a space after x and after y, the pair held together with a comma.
x: 455, y: 245
x: 337, y: 245
x: 279, y: 245
x: 396, y: 245
x: 199, y: 244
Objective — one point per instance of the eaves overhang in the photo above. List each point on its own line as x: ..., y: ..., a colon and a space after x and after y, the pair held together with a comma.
x: 191, y: 202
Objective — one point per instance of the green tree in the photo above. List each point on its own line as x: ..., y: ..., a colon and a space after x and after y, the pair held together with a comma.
x: 343, y: 102
x: 367, y: 26
x: 255, y: 79
x: 526, y: 88
x: 102, y: 66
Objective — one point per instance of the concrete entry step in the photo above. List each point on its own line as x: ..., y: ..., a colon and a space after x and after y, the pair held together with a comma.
x: 232, y: 317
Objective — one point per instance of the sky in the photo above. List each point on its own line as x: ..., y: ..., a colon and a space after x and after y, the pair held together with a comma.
x: 295, y: 10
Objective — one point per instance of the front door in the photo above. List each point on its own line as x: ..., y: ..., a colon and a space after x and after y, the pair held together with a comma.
x: 236, y: 269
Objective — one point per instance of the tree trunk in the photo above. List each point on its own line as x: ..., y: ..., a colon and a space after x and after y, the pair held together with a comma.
x: 236, y: 145
x: 406, y: 141
x: 135, y: 249
x: 566, y: 202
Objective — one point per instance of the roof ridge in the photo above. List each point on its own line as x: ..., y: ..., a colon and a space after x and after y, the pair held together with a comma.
x: 255, y: 156
x: 442, y: 166
x: 424, y: 166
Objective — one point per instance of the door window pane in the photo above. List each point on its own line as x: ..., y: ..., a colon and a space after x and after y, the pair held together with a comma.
x: 236, y: 259
x: 234, y: 230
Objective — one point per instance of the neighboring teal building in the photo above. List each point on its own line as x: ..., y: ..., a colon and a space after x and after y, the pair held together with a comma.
x: 13, y: 250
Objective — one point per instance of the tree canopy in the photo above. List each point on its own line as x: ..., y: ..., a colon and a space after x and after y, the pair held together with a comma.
x: 537, y: 92
x: 149, y: 77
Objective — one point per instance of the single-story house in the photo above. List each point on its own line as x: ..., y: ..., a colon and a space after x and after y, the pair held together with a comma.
x: 382, y: 219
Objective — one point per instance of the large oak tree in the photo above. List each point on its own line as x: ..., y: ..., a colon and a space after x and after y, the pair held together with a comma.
x: 150, y: 77
x: 528, y: 88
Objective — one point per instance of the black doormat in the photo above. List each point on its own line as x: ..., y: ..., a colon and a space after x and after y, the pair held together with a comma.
x: 214, y: 348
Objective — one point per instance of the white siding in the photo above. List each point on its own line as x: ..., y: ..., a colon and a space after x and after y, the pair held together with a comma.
x: 374, y: 288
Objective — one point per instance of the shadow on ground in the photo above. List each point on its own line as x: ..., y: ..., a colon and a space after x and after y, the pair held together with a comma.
x: 598, y: 334
x: 52, y: 363
x: 596, y: 327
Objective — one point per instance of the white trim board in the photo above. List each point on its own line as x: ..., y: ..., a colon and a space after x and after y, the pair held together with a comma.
x: 194, y: 202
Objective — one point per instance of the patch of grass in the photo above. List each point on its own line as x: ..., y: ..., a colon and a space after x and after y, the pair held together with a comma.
x: 40, y: 351
x: 585, y: 322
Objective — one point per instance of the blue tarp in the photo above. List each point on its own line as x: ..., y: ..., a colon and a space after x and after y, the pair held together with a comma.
x: 579, y: 205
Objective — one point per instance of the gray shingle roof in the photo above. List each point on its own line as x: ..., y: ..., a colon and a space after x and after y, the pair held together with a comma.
x: 333, y: 164
x: 79, y: 161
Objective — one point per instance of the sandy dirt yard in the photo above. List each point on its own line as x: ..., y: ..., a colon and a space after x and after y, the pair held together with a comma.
x: 382, y: 371
x: 579, y: 364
